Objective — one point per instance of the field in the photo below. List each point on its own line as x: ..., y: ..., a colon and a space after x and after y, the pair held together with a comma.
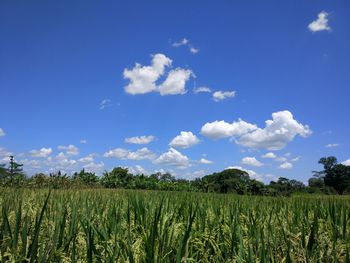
x: 148, y: 226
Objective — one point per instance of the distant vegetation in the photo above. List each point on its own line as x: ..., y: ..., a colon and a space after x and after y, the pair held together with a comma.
x: 334, y: 179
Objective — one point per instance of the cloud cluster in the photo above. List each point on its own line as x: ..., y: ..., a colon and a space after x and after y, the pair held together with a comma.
x: 2, y: 133
x: 221, y: 129
x: 321, y: 23
x: 143, y: 79
x: 69, y: 149
x: 42, y: 153
x: 140, y: 139
x: 347, y: 162
x: 124, y: 154
x: 173, y: 158
x: 185, y: 140
x: 274, y: 136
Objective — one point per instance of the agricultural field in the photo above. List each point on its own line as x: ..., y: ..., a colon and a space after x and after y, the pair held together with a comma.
x: 104, y: 225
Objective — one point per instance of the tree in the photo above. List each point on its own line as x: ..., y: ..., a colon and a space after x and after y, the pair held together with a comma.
x: 334, y: 175
x: 118, y: 177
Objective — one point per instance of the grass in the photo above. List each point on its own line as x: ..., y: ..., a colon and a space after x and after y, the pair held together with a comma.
x: 147, y: 226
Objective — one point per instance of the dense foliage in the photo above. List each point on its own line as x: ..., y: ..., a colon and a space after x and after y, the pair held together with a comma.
x: 106, y: 225
x: 335, y: 178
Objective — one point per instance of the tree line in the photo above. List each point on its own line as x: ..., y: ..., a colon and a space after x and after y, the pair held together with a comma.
x: 333, y: 179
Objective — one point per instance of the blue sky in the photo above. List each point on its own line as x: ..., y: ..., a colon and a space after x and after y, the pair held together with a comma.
x: 207, y: 78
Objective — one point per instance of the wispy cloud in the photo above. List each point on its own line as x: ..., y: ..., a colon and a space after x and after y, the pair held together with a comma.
x: 105, y: 104
x: 186, y: 42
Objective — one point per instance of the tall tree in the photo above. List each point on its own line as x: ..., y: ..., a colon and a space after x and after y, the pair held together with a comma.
x: 334, y: 175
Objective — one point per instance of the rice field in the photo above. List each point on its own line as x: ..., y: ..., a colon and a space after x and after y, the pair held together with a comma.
x: 147, y: 226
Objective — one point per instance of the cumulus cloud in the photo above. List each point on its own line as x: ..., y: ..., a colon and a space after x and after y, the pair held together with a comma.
x: 205, y: 161
x: 42, y: 153
x: 124, y: 154
x: 222, y: 129
x: 321, y: 23
x: 184, y: 140
x: 347, y: 162
x: 202, y: 89
x: 175, y: 83
x: 140, y: 139
x: 83, y: 141
x: 221, y: 95
x: 331, y: 145
x: 286, y: 165
x: 269, y: 155
x: 277, y: 133
x: 69, y: 149
x: 2, y: 133
x: 252, y: 161
x: 173, y: 158
x: 143, y: 78
x: 105, y: 104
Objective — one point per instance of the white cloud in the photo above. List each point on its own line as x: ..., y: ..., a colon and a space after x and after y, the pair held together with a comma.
x: 2, y: 133
x: 138, y: 169
x: 143, y: 78
x: 69, y: 149
x: 175, y: 83
x: 83, y: 141
x: 347, y: 162
x: 140, y: 139
x: 186, y: 42
x: 105, y: 104
x: 4, y: 152
x: 286, y: 165
x: 295, y: 159
x: 87, y: 159
x: 184, y: 140
x: 222, y: 129
x: 94, y: 167
x: 174, y: 158
x: 252, y: 161
x: 194, y: 50
x: 201, y: 90
x: 205, y: 161
x: 277, y: 132
x: 180, y: 43
x: 321, y: 23
x: 331, y: 145
x: 269, y: 155
x: 221, y: 95
x: 281, y: 159
x: 42, y: 153
x: 124, y: 154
